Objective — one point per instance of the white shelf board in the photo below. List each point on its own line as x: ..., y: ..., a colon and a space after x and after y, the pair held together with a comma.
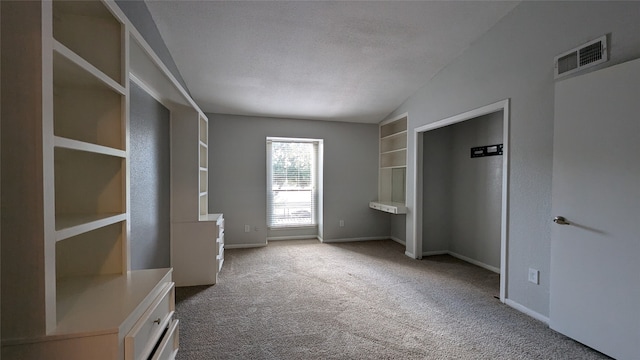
x: 394, y: 167
x: 210, y: 217
x: 203, y: 144
x: 393, y: 151
x: 76, y: 224
x: 204, y: 169
x: 66, y: 143
x: 86, y: 66
x: 100, y: 304
x: 394, y: 135
x: 388, y: 206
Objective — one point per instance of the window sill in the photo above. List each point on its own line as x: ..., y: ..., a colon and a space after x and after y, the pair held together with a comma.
x: 292, y: 227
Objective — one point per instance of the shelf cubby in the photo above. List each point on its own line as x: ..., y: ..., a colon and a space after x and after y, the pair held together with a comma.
x: 203, y: 130
x: 393, y: 159
x: 90, y: 30
x: 393, y: 127
x: 393, y: 142
x: 85, y: 107
x: 203, y: 180
x: 203, y: 157
x: 88, y: 187
x: 204, y: 204
x: 96, y: 252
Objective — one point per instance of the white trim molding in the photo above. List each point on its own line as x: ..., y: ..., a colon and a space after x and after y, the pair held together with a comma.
x: 243, y: 246
x: 355, y: 239
x: 463, y: 258
x: 499, y: 106
x: 475, y: 262
x: 526, y: 310
x: 398, y: 240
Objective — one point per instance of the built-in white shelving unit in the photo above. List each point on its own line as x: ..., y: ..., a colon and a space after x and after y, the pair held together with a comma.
x: 197, y: 237
x: 393, y: 164
x: 68, y: 289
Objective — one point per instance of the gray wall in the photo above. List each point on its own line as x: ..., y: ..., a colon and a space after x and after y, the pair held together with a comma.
x: 476, y: 190
x: 139, y: 15
x: 462, y: 197
x: 515, y: 60
x: 237, y: 179
x: 150, y: 185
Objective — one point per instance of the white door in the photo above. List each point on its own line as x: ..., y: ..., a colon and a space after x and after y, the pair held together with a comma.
x: 595, y: 260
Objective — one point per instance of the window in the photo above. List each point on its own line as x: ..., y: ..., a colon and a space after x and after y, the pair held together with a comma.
x: 293, y: 182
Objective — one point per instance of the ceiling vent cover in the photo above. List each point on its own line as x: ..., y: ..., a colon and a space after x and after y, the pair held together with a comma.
x: 584, y: 56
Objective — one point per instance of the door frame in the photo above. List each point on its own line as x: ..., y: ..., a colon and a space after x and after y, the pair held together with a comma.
x: 503, y: 106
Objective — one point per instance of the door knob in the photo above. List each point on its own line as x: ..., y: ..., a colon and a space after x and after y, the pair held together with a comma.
x: 560, y: 220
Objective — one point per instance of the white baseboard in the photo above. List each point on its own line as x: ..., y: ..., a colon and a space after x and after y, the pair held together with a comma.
x: 526, y: 310
x: 463, y: 258
x: 410, y: 254
x: 475, y: 262
x: 243, y: 246
x: 355, y: 239
x: 432, y: 253
x: 399, y: 241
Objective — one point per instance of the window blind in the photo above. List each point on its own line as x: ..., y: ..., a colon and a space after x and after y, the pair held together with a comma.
x: 292, y: 182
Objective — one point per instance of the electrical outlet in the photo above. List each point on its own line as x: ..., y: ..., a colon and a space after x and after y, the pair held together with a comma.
x: 341, y: 223
x: 534, y: 276
x: 255, y: 228
x: 247, y: 228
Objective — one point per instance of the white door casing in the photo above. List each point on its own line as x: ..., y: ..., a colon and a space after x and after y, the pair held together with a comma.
x: 595, y: 260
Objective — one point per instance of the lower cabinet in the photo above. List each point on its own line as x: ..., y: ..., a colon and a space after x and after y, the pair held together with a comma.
x: 197, y: 250
x: 151, y: 331
x: 121, y: 317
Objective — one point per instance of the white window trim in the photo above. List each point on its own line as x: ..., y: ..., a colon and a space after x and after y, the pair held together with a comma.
x: 318, y: 201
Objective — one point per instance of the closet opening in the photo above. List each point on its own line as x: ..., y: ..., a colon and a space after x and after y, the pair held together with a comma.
x: 461, y: 181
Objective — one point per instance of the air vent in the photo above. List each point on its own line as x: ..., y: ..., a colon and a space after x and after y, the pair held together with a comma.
x: 585, y: 56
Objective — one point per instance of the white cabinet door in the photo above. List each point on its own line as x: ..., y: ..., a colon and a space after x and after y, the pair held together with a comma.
x: 595, y: 260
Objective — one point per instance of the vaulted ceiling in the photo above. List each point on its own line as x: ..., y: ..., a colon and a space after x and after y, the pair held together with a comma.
x: 353, y: 61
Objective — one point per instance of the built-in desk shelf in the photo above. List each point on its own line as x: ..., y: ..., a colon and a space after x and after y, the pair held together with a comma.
x: 388, y: 206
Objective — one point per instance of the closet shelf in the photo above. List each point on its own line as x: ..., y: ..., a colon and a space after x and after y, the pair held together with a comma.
x: 70, y: 65
x: 62, y: 142
x: 70, y: 225
x: 203, y: 144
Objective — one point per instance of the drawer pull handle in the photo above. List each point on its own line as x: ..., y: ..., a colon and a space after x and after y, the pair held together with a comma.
x: 157, y: 321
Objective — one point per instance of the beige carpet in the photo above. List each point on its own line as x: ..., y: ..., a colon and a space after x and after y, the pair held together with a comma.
x: 364, y: 300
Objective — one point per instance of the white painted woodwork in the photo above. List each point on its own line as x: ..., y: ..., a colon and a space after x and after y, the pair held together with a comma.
x: 595, y: 282
x: 189, y: 179
x: 197, y: 250
x: 392, y: 155
x: 65, y: 243
x: 388, y: 206
x: 197, y: 239
x: 78, y: 25
x: 168, y: 348
x: 141, y: 340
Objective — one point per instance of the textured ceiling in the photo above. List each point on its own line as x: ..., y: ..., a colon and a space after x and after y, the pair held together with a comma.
x: 351, y: 61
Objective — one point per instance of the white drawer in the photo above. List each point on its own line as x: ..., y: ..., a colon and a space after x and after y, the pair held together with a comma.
x: 145, y: 334
x: 168, y: 347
